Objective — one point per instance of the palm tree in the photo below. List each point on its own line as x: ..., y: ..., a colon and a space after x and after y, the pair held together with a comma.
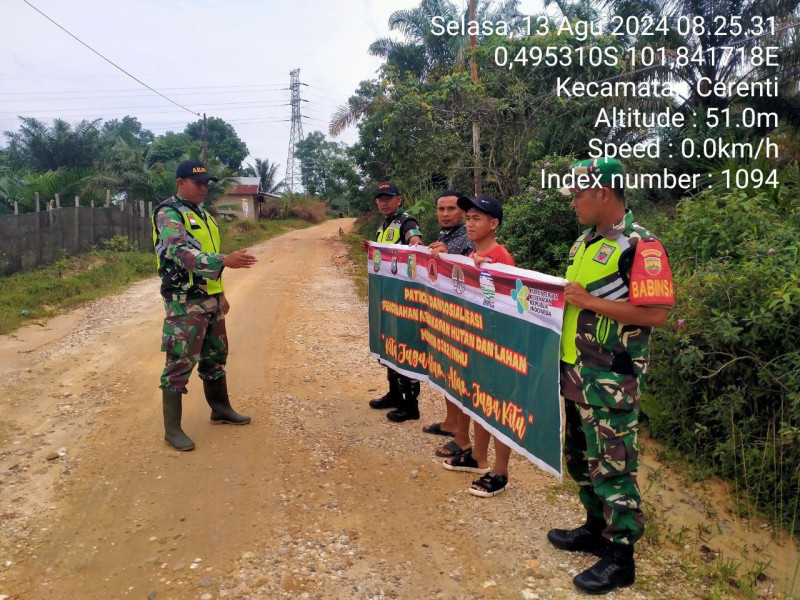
x: 728, y: 67
x: 420, y: 53
x: 48, y: 148
x: 266, y: 172
x: 423, y: 53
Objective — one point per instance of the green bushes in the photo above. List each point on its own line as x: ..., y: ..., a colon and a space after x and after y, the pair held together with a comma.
x: 539, y: 225
x: 313, y: 212
x: 295, y: 206
x: 724, y: 385
x: 119, y: 243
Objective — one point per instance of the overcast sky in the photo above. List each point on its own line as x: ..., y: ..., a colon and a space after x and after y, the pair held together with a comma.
x: 230, y: 59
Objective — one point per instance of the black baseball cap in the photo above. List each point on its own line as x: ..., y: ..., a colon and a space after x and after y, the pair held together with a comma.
x: 387, y: 188
x: 193, y: 169
x: 484, y: 203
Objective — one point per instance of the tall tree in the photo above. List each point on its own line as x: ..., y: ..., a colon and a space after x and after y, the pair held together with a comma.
x: 223, y: 142
x: 172, y: 147
x: 420, y: 53
x: 43, y: 148
x: 267, y: 173
x: 326, y: 168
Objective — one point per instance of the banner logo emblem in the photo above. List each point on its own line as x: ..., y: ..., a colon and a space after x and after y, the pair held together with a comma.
x: 411, y: 266
x: 459, y: 284
x: 520, y: 296
x: 376, y: 261
x: 487, y: 285
x: 433, y: 271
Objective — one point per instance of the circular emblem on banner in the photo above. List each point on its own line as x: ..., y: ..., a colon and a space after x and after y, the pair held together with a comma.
x: 394, y: 263
x: 487, y: 285
x: 433, y: 271
x: 411, y: 266
x: 458, y: 280
x: 376, y: 260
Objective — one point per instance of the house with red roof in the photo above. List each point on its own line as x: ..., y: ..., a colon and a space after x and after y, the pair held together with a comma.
x: 244, y: 200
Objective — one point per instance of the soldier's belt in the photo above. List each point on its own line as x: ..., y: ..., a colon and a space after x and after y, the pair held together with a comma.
x: 175, y: 297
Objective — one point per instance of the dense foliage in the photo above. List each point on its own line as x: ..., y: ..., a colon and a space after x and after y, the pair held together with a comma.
x: 87, y: 158
x: 539, y: 224
x: 725, y: 381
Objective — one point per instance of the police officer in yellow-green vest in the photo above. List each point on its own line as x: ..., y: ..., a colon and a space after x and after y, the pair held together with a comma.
x: 190, y: 266
x: 620, y: 287
x: 398, y: 227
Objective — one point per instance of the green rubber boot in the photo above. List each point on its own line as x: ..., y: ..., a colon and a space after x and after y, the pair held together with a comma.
x: 173, y: 433
x: 217, y: 397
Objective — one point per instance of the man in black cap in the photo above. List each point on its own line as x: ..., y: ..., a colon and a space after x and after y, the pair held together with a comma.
x: 187, y: 244
x: 398, y: 227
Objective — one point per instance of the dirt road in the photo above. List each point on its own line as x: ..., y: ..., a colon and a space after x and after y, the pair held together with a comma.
x: 320, y: 497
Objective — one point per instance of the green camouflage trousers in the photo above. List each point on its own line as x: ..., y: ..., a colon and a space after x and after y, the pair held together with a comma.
x: 602, y: 453
x: 194, y: 332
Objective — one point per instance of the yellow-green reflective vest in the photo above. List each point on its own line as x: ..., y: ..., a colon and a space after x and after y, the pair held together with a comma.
x: 391, y: 233
x: 202, y: 233
x: 597, y: 268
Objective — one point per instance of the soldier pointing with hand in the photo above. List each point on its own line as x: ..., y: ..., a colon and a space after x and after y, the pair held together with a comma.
x: 190, y: 265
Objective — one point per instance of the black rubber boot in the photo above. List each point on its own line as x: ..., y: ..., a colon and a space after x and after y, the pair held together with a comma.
x: 410, y: 408
x: 173, y: 407
x: 217, y: 397
x: 615, y: 570
x: 586, y: 538
x: 391, y: 399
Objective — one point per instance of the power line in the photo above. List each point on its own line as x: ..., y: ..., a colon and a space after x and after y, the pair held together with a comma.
x: 108, y: 60
x: 258, y: 88
x: 39, y: 97
x: 94, y: 110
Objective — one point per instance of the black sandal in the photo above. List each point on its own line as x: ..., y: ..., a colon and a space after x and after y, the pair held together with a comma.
x: 490, y: 485
x: 465, y: 462
x: 450, y: 450
x: 436, y: 429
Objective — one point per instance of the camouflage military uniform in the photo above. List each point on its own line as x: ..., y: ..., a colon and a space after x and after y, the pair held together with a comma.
x: 191, y: 285
x: 602, y: 369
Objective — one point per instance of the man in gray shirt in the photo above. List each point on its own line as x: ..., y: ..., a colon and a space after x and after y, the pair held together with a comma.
x: 452, y: 240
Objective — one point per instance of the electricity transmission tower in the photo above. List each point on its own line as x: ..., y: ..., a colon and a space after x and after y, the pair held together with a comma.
x: 292, y: 163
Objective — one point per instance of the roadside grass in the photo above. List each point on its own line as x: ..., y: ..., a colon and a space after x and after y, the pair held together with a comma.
x: 357, y: 263
x: 46, y: 291
x: 723, y: 574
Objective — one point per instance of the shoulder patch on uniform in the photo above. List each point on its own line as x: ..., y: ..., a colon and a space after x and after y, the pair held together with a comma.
x: 651, y: 276
x: 603, y: 254
x: 575, y: 247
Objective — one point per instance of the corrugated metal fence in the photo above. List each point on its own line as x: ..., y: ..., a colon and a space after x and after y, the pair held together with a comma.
x: 38, y: 238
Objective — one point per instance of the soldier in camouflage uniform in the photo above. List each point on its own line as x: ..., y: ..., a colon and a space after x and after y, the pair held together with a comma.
x: 620, y: 286
x: 186, y: 240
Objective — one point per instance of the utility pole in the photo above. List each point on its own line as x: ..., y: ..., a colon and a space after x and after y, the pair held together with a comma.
x: 296, y: 134
x: 476, y: 130
x: 205, y: 140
